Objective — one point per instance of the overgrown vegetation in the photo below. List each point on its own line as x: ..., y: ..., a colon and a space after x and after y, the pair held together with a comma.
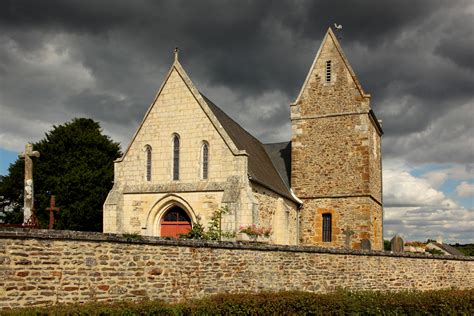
x: 214, y: 228
x: 434, y: 251
x: 441, y: 302
x: 133, y: 237
x: 467, y: 249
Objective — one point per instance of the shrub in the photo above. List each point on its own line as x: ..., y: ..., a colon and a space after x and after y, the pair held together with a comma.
x: 214, y: 229
x: 440, y: 302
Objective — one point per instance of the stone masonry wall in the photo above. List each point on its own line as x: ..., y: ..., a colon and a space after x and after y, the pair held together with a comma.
x: 333, y: 159
x: 43, y: 267
x: 336, y: 159
x: 278, y: 213
x: 361, y: 215
x: 175, y: 111
x: 375, y: 163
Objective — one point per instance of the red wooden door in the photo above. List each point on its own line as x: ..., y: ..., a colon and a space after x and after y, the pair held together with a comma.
x: 175, y: 222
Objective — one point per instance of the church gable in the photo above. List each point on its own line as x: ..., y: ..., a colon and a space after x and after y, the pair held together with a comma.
x: 177, y: 125
x: 331, y: 86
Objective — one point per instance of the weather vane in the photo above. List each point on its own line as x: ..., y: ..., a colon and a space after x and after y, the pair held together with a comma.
x: 338, y: 28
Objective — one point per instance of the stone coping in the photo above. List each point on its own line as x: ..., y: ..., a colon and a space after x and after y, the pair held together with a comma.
x: 23, y: 233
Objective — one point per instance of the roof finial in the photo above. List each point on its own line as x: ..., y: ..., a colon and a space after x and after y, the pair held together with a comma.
x: 176, y: 52
x: 338, y: 30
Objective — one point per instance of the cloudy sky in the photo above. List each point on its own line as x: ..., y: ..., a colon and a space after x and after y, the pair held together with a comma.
x: 106, y: 59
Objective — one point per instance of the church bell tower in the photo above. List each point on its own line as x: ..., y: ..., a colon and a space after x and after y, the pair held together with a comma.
x: 336, y: 156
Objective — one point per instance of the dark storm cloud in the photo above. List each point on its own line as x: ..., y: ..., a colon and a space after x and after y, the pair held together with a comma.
x: 106, y: 60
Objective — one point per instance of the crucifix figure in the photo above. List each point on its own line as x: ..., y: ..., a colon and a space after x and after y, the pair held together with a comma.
x: 52, y: 207
x: 348, y: 233
x: 28, y: 197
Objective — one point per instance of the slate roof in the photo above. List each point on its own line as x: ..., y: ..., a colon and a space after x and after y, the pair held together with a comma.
x: 261, y: 168
x: 449, y: 249
x: 280, y: 154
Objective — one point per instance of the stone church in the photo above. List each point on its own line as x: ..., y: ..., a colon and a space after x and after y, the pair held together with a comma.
x: 188, y: 158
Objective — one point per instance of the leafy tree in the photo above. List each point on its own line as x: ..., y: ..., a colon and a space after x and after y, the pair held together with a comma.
x: 75, y: 165
x: 466, y: 249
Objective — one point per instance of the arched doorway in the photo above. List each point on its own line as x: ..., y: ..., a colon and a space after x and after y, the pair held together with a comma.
x: 175, y: 222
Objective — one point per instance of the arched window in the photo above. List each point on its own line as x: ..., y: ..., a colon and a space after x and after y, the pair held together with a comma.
x: 148, y: 162
x: 327, y: 227
x: 176, y: 157
x: 328, y: 71
x: 205, y: 161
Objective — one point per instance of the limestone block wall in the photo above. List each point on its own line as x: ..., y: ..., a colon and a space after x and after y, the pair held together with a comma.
x: 361, y: 215
x: 142, y: 212
x: 43, y: 267
x: 177, y: 111
x: 133, y: 198
x: 278, y: 213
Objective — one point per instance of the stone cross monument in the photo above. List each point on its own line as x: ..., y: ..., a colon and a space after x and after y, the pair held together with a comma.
x: 348, y: 233
x: 28, y: 189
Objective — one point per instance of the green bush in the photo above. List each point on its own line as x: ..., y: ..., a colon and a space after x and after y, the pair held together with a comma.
x: 214, y: 228
x: 441, y: 302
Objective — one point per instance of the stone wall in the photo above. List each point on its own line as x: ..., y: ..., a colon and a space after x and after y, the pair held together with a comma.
x: 361, y: 215
x: 336, y: 158
x: 375, y: 162
x: 279, y: 213
x: 176, y: 111
x: 333, y: 158
x: 41, y: 267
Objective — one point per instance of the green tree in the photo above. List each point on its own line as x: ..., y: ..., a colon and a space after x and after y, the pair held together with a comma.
x: 76, y: 165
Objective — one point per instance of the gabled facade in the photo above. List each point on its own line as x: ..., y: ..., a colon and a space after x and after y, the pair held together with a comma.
x: 188, y: 158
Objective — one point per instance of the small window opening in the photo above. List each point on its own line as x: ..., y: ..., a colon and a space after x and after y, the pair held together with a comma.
x: 328, y: 71
x: 327, y: 227
x: 205, y: 161
x: 148, y: 163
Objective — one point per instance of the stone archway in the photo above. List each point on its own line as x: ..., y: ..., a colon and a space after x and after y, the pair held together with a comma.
x: 161, y: 207
x: 175, y: 221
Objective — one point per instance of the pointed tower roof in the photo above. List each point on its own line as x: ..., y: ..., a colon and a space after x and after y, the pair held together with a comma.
x: 330, y: 36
